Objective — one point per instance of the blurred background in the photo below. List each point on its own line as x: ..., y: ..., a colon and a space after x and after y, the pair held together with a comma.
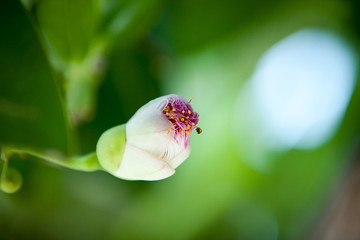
x: 275, y: 84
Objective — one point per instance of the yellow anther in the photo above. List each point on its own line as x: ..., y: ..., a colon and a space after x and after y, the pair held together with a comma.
x: 187, y: 132
x: 188, y: 126
x: 189, y: 111
x: 183, y: 111
x: 187, y: 117
x: 167, y: 133
x: 172, y: 117
x: 191, y: 99
x: 170, y: 129
x: 167, y: 113
x: 173, y: 109
x: 193, y: 124
x: 182, y: 119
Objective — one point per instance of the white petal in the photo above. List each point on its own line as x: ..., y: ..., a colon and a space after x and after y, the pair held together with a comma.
x: 156, y: 104
x: 140, y: 165
x: 159, y: 103
x: 149, y: 131
x: 148, y: 121
x: 179, y: 156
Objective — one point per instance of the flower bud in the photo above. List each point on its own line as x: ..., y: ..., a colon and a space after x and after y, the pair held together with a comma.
x: 153, y: 142
x: 11, y: 182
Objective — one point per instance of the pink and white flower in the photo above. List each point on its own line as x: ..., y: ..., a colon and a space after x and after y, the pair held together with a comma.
x: 157, y: 139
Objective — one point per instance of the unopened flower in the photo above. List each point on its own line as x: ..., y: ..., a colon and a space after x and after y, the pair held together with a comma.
x: 153, y: 142
x: 11, y: 181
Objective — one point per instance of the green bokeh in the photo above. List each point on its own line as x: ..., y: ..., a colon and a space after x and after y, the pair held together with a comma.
x: 201, y: 49
x: 31, y: 107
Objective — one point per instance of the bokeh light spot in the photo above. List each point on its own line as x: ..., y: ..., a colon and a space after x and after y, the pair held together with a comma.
x: 301, y: 88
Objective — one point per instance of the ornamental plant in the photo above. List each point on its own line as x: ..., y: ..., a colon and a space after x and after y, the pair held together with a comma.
x: 150, y: 146
x: 152, y: 143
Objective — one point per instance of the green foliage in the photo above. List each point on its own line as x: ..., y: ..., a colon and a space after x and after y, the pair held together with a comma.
x: 31, y: 106
x: 80, y: 36
x: 94, y: 63
x: 69, y: 26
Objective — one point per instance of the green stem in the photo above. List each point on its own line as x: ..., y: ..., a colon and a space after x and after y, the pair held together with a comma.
x: 4, y: 163
x: 87, y: 163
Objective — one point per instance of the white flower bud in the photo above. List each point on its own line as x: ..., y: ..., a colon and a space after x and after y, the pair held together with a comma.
x: 157, y: 140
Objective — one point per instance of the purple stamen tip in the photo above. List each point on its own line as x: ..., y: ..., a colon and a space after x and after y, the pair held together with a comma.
x: 181, y: 115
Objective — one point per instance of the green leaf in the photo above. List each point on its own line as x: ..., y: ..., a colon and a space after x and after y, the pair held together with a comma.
x: 31, y: 111
x: 81, y: 34
x: 73, y: 27
x: 126, y: 21
x: 68, y: 26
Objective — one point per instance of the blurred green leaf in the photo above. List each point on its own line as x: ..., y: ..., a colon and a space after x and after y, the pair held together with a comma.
x: 131, y: 82
x: 31, y: 111
x: 127, y: 20
x: 68, y: 26
x: 81, y: 34
x: 73, y: 27
x: 193, y: 24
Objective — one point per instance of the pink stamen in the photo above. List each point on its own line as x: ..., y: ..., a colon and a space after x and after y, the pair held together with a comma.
x: 181, y: 115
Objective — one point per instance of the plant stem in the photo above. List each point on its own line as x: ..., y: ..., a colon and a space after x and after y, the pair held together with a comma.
x: 4, y: 164
x: 87, y: 163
